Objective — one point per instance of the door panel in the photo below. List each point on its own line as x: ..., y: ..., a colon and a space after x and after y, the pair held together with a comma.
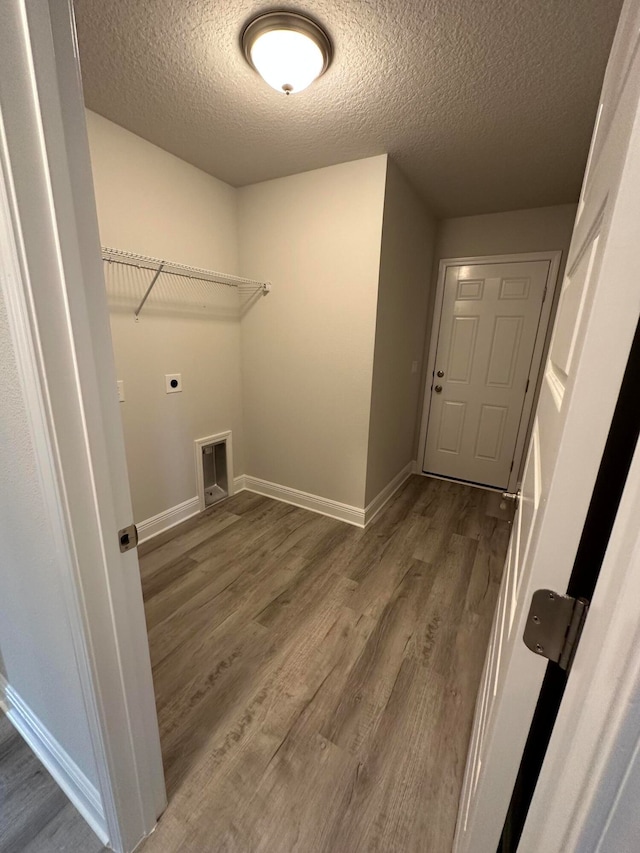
x: 470, y: 289
x: 489, y: 325
x: 503, y: 358
x: 490, y: 432
x: 596, y: 320
x: 462, y: 349
x: 572, y: 300
x: 515, y: 288
x: 451, y: 425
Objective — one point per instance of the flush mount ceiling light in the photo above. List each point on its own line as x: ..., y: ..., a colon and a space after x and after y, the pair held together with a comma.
x: 289, y: 51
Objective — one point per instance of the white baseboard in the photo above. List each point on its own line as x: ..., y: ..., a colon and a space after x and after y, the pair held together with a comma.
x: 177, y: 514
x: 169, y: 518
x: 82, y: 793
x: 325, y: 506
x: 373, y: 509
x: 334, y: 509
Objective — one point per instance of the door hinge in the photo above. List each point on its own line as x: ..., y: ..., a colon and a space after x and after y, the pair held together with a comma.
x: 527, y: 388
x: 128, y: 538
x: 554, y: 626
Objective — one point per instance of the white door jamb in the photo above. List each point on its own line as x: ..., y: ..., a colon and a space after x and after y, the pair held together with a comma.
x: 586, y: 796
x: 58, y: 310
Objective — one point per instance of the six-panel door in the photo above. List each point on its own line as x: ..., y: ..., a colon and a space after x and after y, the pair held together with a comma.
x: 489, y: 323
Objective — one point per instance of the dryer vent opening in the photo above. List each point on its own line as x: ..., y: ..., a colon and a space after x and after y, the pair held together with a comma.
x: 215, y: 477
x: 214, y: 468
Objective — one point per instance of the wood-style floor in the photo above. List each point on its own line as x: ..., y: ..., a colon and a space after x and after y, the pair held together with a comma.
x: 315, y: 683
x: 35, y: 816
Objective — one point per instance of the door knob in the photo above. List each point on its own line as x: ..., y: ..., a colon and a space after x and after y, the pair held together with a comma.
x: 438, y: 389
x: 440, y: 373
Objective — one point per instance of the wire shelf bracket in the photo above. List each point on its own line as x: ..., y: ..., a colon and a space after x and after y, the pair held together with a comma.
x: 158, y: 267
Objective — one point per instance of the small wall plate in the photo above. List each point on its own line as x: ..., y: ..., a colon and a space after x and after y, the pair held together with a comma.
x: 173, y: 383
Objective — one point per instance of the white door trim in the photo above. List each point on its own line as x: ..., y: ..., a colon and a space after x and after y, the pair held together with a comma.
x: 60, y: 329
x: 198, y: 444
x: 542, y: 336
x: 586, y: 796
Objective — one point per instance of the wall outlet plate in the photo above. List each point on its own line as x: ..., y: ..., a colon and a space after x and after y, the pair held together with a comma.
x: 173, y: 383
x: 121, y: 390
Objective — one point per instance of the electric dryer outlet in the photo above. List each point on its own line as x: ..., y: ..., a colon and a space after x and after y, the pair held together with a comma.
x: 173, y: 383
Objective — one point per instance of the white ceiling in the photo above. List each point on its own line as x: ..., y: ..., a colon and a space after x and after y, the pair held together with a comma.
x: 486, y: 105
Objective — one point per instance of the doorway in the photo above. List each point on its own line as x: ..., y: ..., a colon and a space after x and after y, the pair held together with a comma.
x: 488, y: 336
x: 329, y: 751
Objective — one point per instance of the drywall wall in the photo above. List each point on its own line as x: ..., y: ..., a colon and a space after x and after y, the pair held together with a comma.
x: 308, y: 350
x: 152, y: 203
x: 315, y: 380
x: 300, y: 383
x: 35, y: 634
x: 534, y: 230
x: 408, y: 235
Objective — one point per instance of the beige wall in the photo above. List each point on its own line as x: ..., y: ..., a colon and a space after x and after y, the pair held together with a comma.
x: 152, y: 203
x: 308, y: 350
x: 408, y: 234
x: 535, y: 230
x: 315, y: 380
x: 300, y: 385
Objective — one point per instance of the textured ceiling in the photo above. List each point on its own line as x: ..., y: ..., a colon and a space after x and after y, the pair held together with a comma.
x: 486, y: 105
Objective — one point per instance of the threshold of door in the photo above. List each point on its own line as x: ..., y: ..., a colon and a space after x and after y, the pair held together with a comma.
x: 466, y: 482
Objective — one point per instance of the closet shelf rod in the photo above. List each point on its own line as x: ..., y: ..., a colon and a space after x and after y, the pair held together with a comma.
x: 158, y: 266
x: 148, y: 290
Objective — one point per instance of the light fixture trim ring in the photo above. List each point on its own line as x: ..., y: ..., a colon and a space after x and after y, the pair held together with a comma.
x: 285, y: 20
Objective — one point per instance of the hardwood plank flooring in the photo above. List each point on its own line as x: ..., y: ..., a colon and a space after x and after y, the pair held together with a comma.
x: 35, y: 815
x: 315, y: 683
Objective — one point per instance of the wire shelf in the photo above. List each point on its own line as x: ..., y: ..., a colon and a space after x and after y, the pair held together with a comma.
x: 160, y: 267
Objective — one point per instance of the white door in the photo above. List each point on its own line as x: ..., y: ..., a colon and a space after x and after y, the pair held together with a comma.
x: 597, y: 316
x: 489, y: 325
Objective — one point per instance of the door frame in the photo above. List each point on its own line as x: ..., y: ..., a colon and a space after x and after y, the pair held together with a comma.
x: 586, y: 795
x: 541, y: 344
x: 56, y: 302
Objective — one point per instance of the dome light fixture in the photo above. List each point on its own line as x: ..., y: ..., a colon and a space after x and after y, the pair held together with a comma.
x: 289, y: 51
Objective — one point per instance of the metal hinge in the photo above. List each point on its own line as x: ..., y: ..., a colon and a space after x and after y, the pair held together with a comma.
x: 128, y: 538
x: 527, y: 388
x: 554, y: 626
x: 510, y: 496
